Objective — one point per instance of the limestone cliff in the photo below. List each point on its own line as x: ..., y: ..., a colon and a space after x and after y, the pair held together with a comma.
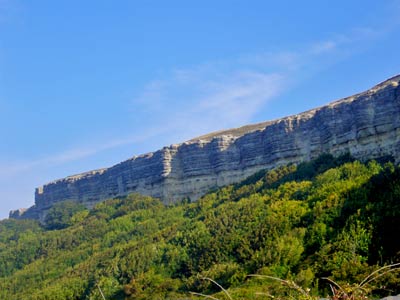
x: 366, y: 125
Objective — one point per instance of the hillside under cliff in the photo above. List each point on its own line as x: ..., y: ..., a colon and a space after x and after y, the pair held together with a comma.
x: 328, y: 218
x: 365, y: 125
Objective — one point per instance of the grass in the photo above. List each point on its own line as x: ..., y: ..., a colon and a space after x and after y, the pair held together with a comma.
x: 359, y: 291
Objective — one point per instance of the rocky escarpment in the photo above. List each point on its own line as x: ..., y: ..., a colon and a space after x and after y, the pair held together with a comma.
x: 366, y: 125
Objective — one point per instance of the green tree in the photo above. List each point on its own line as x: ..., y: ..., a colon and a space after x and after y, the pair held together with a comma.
x: 60, y: 215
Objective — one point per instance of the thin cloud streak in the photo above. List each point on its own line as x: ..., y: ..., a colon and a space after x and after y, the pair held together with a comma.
x: 226, y: 94
x: 352, y: 41
x: 75, y: 154
x: 227, y: 103
x: 194, y: 102
x: 236, y: 102
x: 214, y: 95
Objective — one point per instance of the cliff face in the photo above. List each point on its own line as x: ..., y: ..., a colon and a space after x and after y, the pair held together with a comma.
x: 366, y: 125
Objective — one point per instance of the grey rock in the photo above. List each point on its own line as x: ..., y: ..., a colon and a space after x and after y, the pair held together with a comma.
x: 366, y: 125
x: 17, y: 213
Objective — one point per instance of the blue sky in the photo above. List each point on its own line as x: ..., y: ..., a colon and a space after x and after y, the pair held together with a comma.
x: 87, y: 84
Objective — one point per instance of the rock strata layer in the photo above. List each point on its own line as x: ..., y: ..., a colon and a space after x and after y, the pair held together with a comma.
x: 366, y: 125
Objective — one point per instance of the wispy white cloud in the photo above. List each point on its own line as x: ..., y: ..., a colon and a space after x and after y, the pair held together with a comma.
x: 352, y: 41
x: 12, y: 168
x: 224, y: 94
x: 186, y: 102
x: 231, y: 98
x: 323, y: 47
x: 220, y: 101
x: 210, y: 97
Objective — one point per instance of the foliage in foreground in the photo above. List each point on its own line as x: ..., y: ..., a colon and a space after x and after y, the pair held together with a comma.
x: 330, y: 218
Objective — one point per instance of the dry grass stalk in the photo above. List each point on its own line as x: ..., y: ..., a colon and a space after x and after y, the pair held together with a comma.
x: 217, y: 284
x: 289, y: 283
x: 359, y: 291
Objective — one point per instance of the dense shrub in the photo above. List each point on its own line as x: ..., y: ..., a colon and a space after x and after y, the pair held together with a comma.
x: 335, y: 218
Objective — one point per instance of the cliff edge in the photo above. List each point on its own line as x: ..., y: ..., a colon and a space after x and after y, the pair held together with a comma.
x: 366, y: 125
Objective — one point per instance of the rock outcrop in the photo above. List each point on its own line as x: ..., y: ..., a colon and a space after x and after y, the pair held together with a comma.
x: 366, y: 125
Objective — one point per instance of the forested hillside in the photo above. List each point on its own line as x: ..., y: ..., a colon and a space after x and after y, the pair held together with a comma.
x: 329, y: 218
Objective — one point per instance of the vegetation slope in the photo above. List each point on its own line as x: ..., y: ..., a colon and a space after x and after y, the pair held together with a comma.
x: 334, y: 218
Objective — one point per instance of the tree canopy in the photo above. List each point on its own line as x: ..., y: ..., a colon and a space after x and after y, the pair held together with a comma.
x: 331, y: 217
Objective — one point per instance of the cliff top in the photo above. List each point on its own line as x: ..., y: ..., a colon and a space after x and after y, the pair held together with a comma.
x: 74, y: 177
x: 239, y: 131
